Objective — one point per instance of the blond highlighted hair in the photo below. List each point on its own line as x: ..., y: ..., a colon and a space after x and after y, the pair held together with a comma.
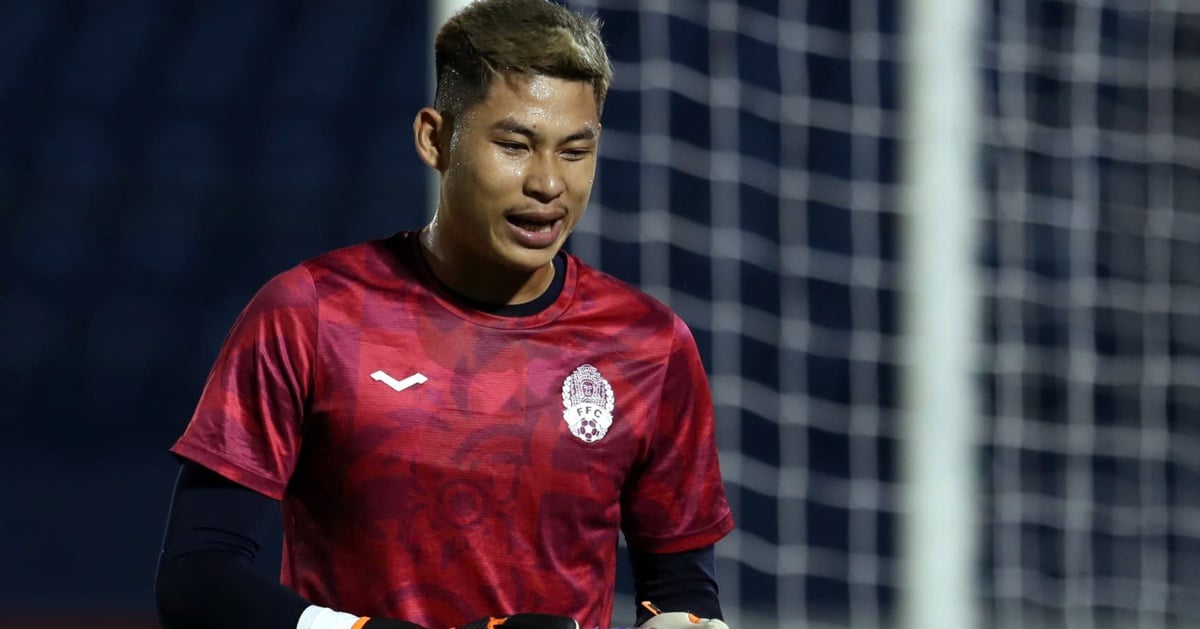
x: 493, y: 38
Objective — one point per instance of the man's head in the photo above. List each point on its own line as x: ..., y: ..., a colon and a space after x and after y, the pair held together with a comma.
x: 513, y: 133
x: 493, y: 38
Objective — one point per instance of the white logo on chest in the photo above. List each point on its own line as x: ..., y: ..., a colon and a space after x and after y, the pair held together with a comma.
x: 399, y: 385
x: 587, y: 403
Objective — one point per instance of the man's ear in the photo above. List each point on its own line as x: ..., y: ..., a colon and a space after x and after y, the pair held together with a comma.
x: 429, y: 135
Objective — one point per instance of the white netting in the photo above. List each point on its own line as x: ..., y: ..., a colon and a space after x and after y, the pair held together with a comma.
x: 747, y: 156
x: 748, y: 180
x: 1093, y: 266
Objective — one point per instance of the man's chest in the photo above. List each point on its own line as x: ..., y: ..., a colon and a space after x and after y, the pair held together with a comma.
x: 481, y: 413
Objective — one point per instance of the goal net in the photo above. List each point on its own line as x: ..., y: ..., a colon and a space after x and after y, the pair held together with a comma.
x: 749, y: 179
x: 745, y: 179
x: 1091, y: 253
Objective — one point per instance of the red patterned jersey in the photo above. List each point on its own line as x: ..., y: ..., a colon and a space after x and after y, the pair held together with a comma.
x: 437, y: 463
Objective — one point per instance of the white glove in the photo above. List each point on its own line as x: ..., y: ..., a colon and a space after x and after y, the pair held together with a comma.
x: 682, y: 620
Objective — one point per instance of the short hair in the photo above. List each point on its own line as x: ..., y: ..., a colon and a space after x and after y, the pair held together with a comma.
x: 492, y: 38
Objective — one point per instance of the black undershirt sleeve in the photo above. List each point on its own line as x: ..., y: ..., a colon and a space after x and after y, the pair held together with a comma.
x: 676, y: 582
x: 206, y: 575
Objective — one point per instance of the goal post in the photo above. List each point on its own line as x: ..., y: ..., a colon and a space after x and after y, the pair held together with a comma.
x: 439, y: 12
x: 444, y: 10
x: 940, y: 210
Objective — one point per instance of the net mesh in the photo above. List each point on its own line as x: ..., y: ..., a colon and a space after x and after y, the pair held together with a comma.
x: 745, y: 180
x: 748, y: 179
x: 1092, y: 256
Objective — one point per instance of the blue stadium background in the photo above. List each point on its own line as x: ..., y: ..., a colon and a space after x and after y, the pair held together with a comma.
x: 160, y: 159
x: 158, y: 162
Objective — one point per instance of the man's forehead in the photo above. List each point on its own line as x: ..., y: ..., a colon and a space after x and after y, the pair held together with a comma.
x: 538, y: 103
x: 539, y: 84
x: 539, y: 89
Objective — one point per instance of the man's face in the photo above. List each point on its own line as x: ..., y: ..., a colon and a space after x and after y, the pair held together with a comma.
x: 519, y: 170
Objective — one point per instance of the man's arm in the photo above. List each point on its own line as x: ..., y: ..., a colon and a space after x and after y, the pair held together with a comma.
x: 206, y: 574
x: 683, y: 581
x: 207, y: 579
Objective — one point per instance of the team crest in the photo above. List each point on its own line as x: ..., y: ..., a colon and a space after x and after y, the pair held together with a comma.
x: 588, y: 403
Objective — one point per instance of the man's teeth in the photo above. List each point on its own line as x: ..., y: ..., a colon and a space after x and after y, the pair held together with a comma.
x: 533, y: 226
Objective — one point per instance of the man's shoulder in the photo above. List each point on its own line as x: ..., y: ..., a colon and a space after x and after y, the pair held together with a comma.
x: 367, y: 259
x: 383, y: 263
x: 608, y: 292
x: 345, y: 274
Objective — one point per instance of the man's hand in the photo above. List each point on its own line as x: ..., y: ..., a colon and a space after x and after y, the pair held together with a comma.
x: 386, y: 623
x: 682, y: 620
x: 523, y: 621
x: 678, y: 620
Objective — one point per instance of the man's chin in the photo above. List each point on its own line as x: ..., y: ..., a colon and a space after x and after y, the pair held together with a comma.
x: 528, y: 260
x: 527, y: 265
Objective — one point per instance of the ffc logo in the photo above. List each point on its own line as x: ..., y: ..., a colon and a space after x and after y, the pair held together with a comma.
x: 587, y: 404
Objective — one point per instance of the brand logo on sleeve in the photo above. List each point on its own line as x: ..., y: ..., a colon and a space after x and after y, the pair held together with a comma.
x: 587, y: 404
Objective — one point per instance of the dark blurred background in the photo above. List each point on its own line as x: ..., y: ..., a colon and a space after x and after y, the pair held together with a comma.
x: 161, y: 159
x: 158, y: 162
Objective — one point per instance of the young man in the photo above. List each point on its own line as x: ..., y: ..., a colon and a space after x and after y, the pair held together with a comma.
x: 458, y: 421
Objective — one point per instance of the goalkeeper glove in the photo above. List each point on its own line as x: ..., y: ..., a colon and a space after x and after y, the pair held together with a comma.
x: 678, y: 620
x: 388, y: 623
x: 516, y: 621
x: 522, y: 621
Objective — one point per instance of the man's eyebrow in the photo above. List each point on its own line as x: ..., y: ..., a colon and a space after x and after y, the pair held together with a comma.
x: 586, y: 133
x: 509, y: 125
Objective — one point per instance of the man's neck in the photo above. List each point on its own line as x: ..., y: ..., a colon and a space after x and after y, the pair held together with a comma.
x: 482, y: 280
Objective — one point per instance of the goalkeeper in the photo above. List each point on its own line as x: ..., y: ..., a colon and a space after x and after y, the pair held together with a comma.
x: 458, y: 421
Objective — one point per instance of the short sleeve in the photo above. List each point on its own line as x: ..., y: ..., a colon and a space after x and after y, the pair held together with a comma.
x: 247, y: 425
x: 676, y: 500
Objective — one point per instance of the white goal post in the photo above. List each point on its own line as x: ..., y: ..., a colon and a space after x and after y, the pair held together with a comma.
x: 940, y: 211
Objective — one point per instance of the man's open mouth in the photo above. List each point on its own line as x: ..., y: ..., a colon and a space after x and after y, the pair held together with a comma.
x: 533, y: 224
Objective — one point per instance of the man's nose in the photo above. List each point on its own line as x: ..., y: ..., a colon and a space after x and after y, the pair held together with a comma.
x: 544, y: 181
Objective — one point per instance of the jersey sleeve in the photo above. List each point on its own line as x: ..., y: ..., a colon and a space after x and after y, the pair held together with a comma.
x: 248, y: 423
x: 676, y: 500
